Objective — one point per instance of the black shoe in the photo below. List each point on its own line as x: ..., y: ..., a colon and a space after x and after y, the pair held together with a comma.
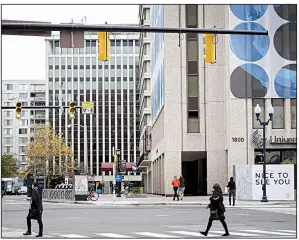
x: 204, y: 233
x: 173, y: 199
x: 233, y: 204
x: 178, y: 200
x: 27, y: 233
x: 225, y: 234
x: 39, y: 235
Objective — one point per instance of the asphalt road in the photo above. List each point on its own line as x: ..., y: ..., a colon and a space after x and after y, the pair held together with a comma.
x: 90, y: 221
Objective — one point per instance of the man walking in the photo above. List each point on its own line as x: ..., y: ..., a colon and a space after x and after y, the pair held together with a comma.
x: 182, y: 187
x: 176, y: 184
x: 231, y: 190
x: 35, y: 211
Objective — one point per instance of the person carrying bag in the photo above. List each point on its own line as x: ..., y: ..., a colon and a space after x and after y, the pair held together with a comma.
x: 35, y: 211
x: 217, y: 210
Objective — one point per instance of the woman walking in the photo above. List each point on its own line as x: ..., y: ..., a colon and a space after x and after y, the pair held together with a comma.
x: 217, y: 210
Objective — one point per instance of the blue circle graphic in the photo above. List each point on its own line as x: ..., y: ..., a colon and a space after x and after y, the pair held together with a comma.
x: 248, y: 12
x: 285, y: 81
x: 249, y: 48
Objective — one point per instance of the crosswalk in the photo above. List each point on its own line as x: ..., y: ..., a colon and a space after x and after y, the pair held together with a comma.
x: 248, y: 233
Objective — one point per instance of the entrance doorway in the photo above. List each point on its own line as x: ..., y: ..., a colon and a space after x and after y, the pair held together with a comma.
x: 195, y: 174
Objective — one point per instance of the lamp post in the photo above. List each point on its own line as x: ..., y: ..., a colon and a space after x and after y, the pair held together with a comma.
x: 257, y: 111
x: 85, y: 142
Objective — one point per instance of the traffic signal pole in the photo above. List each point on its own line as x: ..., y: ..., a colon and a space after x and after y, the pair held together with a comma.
x: 25, y: 27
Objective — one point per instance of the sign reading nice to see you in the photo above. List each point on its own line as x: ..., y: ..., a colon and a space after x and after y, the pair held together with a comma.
x: 279, y: 182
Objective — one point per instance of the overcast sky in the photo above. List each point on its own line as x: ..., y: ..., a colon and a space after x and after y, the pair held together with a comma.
x: 24, y: 58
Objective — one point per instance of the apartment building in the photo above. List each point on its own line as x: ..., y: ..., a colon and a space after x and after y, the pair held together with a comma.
x: 16, y: 132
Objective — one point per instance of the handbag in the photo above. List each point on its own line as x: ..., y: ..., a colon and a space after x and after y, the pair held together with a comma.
x: 214, y: 214
x: 33, y: 213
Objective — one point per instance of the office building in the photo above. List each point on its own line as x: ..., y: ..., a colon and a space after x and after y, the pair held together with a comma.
x: 17, y: 132
x: 77, y: 75
x: 145, y: 87
x: 203, y: 120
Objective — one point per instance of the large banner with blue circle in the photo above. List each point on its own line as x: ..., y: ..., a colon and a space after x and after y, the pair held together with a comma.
x: 263, y: 66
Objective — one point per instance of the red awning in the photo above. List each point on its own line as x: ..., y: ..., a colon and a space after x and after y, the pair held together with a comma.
x: 109, y: 166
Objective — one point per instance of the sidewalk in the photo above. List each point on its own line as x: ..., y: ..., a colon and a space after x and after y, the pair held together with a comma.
x: 150, y: 200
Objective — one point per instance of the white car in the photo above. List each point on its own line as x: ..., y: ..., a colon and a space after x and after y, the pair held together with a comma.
x: 22, y: 190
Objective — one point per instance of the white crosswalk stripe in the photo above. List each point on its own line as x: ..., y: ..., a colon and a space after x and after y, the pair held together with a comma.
x: 237, y: 233
x: 113, y: 235
x: 194, y: 234
x: 269, y: 232
x: 72, y: 236
x: 155, y: 235
x: 288, y: 231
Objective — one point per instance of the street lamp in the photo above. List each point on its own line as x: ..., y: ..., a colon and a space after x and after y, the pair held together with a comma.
x: 85, y: 142
x: 257, y: 111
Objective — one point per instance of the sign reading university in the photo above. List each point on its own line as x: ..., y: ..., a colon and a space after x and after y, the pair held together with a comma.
x: 257, y: 139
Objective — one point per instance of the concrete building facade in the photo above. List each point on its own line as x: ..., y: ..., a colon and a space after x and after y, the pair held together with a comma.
x: 16, y: 132
x: 200, y: 128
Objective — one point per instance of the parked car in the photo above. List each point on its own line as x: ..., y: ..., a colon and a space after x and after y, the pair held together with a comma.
x: 22, y: 190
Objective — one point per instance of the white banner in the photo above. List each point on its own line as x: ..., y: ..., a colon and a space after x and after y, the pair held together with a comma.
x: 81, y: 184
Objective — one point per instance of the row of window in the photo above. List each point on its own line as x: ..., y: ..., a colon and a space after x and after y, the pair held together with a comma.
x: 278, y: 121
x: 36, y: 87
x: 24, y: 122
x: 92, y: 61
x: 94, y: 79
x: 192, y: 71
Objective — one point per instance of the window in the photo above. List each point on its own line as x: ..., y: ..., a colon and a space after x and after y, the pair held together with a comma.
x: 8, y: 113
x: 23, y: 95
x: 7, y: 131
x: 278, y: 116
x: 7, y: 122
x: 294, y: 113
x: 8, y: 149
x: 23, y: 122
x: 8, y: 140
x: 8, y: 96
x: 23, y: 87
x: 23, y: 131
x: 21, y: 149
x: 23, y: 140
x: 8, y: 87
x: 191, y: 16
x: 261, y: 102
x: 22, y: 158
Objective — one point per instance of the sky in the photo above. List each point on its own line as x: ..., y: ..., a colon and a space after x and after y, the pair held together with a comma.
x: 24, y: 58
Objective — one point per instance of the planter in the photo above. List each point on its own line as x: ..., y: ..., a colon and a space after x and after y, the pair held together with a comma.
x: 99, y: 191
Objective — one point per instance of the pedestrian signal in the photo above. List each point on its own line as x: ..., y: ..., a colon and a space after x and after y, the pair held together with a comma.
x: 18, y: 110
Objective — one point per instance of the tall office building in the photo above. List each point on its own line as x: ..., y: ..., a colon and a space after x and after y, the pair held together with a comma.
x: 145, y: 87
x: 16, y: 132
x: 203, y: 120
x: 77, y: 75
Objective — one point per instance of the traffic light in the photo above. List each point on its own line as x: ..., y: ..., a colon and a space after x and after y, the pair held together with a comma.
x: 104, y: 46
x: 18, y: 110
x: 209, y: 48
x: 72, y: 110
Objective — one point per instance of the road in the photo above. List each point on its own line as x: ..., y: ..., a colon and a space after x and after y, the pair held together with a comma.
x: 90, y: 221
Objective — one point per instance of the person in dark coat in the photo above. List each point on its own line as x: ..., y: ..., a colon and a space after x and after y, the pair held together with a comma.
x: 231, y: 191
x: 182, y: 186
x: 217, y: 210
x: 35, y: 211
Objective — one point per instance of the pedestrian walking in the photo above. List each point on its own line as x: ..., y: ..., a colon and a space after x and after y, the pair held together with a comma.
x: 176, y: 184
x: 35, y: 211
x: 231, y: 191
x: 182, y: 186
x: 217, y: 210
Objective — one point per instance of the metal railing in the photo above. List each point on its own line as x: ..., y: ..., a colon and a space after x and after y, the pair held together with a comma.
x: 59, y: 195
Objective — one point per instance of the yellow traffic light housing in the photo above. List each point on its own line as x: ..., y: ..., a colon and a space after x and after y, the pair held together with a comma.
x: 72, y: 110
x: 18, y: 110
x: 104, y: 46
x: 209, y: 48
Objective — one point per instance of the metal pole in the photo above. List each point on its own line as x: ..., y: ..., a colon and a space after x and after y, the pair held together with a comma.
x: 85, y: 149
x: 264, y: 199
x: 7, y: 28
x: 34, y: 170
x: 114, y: 180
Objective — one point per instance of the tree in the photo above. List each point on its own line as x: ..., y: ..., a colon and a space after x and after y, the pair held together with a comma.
x: 9, y: 166
x: 49, y: 153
